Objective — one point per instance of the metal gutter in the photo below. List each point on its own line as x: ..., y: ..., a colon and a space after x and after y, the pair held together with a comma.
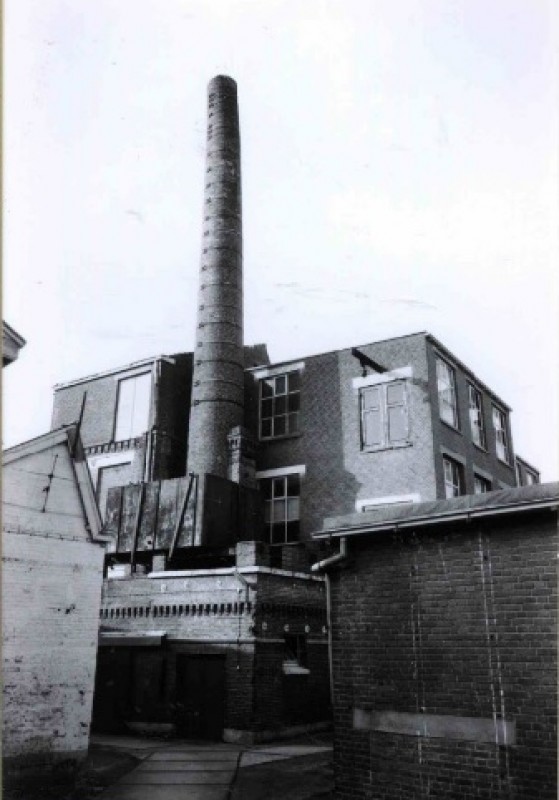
x: 434, y: 519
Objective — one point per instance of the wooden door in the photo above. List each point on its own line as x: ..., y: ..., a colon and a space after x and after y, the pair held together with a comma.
x: 201, y: 696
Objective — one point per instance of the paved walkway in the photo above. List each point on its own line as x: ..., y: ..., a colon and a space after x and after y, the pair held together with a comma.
x: 181, y: 770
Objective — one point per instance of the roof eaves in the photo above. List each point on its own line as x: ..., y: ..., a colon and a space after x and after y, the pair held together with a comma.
x: 286, y: 363
x: 115, y: 371
x: 439, y: 518
x: 450, y: 355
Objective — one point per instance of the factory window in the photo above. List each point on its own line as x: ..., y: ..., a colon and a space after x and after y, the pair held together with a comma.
x: 384, y: 415
x: 281, y: 507
x: 476, y: 416
x: 279, y: 405
x: 481, y: 484
x: 501, y: 435
x: 453, y: 477
x: 446, y: 388
x: 132, y: 410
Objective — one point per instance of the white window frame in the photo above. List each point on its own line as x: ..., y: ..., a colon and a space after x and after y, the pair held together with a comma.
x: 274, y: 474
x: 370, y: 504
x: 101, y: 460
x: 382, y: 389
x: 274, y: 375
x: 449, y: 388
x: 483, y: 481
x: 502, y: 442
x: 456, y: 480
x: 477, y: 421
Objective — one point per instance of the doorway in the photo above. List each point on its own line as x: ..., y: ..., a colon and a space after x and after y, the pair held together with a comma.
x: 201, y: 696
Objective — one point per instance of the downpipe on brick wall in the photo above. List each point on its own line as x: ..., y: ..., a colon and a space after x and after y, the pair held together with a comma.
x: 324, y: 566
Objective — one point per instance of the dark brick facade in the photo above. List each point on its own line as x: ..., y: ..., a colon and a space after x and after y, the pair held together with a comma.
x: 457, y: 621
x: 160, y: 451
x: 340, y: 475
x: 244, y: 621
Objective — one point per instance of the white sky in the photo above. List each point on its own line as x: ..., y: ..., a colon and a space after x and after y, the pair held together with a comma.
x: 400, y: 173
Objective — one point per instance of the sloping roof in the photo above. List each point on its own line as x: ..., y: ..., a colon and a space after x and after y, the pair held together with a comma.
x: 525, y: 498
x: 12, y: 342
x: 67, y: 435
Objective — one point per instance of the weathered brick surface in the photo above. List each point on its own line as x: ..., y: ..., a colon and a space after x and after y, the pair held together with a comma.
x: 218, y: 381
x: 218, y: 614
x: 461, y: 622
x: 338, y: 472
x: 51, y: 590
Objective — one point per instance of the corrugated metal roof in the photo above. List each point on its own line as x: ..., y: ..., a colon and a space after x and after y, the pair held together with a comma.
x: 523, y: 498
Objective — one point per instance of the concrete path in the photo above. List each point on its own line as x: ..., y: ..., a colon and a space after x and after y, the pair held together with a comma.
x: 181, y: 770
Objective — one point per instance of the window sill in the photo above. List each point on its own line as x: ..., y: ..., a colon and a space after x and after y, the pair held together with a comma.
x: 480, y: 448
x: 385, y: 447
x: 268, y: 439
x: 284, y: 544
x: 504, y: 461
x: 292, y: 668
x: 451, y: 426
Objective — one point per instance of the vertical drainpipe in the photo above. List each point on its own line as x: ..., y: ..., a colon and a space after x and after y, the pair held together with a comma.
x: 324, y: 566
x: 218, y: 372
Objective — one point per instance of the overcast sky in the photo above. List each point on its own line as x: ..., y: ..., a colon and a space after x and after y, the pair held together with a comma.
x: 400, y: 174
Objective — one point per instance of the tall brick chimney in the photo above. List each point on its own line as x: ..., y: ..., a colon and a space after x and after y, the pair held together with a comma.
x: 217, y: 390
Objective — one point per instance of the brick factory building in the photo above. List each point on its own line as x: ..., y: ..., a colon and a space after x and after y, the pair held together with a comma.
x: 444, y: 638
x: 213, y: 468
x: 396, y: 421
x: 52, y: 561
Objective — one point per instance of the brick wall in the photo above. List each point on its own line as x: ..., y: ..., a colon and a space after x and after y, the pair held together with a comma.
x: 458, y: 624
x: 459, y: 441
x: 51, y: 590
x: 338, y: 472
x: 167, y: 423
x: 216, y: 613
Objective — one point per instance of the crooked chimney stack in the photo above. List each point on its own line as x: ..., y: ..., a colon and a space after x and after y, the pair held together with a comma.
x: 218, y: 376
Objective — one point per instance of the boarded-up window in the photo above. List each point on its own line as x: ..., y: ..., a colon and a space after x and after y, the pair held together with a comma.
x: 133, y: 404
x: 384, y: 415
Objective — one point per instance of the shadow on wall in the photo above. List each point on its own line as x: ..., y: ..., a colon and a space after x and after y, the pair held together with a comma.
x: 327, y: 488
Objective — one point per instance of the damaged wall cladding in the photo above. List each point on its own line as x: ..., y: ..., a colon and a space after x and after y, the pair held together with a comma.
x: 51, y: 592
x: 445, y: 662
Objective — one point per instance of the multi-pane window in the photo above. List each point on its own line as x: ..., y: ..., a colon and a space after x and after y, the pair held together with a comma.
x: 281, y: 507
x: 481, y: 484
x: 453, y: 477
x: 132, y: 411
x: 384, y: 415
x: 501, y: 435
x: 446, y: 388
x: 280, y: 405
x: 476, y: 416
x: 530, y: 479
